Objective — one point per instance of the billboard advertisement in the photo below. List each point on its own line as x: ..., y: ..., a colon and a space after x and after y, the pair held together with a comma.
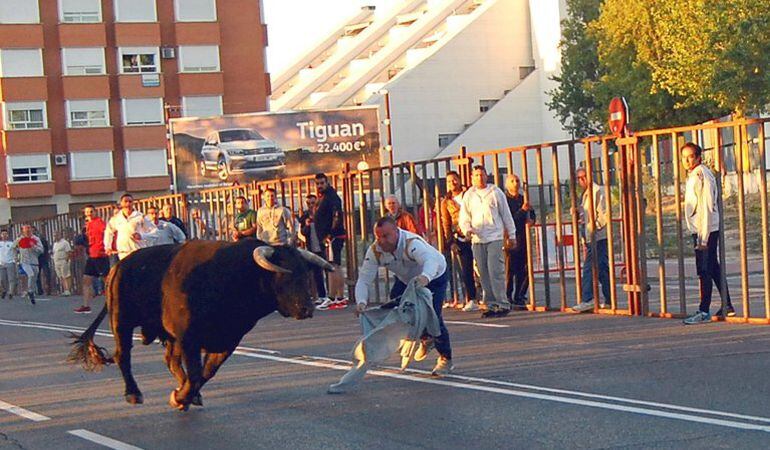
x: 222, y: 150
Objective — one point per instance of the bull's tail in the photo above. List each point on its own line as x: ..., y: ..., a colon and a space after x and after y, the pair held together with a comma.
x: 85, y: 351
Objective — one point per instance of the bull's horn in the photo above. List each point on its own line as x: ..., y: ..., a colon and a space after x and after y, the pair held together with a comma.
x: 261, y: 255
x: 312, y: 258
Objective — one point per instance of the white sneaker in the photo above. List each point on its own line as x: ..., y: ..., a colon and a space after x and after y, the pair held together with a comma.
x: 325, y: 304
x: 583, y: 307
x: 471, y: 306
x: 67, y: 293
x: 320, y: 300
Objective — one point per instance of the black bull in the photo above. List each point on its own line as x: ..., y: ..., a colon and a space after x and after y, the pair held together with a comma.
x: 199, y: 297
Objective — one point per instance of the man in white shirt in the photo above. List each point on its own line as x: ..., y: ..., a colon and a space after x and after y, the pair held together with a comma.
x: 487, y: 220
x: 9, y: 272
x: 701, y: 213
x: 408, y: 257
x: 162, y: 232
x: 274, y: 222
x: 129, y: 225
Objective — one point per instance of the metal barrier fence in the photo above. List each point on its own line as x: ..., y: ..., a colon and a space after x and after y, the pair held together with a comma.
x: 641, y: 175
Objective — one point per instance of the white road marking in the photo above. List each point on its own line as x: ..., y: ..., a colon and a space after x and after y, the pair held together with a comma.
x: 102, y: 440
x: 477, y: 324
x: 21, y: 412
x: 504, y: 387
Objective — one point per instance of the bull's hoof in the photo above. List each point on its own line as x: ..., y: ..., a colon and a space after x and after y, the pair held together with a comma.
x: 174, y: 403
x: 135, y: 399
x: 197, y: 400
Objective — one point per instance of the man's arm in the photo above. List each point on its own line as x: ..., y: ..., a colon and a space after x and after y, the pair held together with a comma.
x: 430, y: 260
x: 600, y: 206
x: 177, y: 232
x: 290, y: 229
x: 446, y: 220
x: 505, y: 214
x: 109, y: 234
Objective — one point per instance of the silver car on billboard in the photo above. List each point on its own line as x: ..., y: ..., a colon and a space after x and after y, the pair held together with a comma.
x: 239, y: 151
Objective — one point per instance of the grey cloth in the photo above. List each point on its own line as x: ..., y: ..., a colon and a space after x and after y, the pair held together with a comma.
x: 389, y: 330
x: 9, y: 274
x: 490, y: 259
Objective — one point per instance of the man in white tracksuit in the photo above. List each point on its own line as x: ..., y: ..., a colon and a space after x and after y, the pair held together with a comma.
x: 129, y: 225
x: 701, y: 213
x: 487, y: 220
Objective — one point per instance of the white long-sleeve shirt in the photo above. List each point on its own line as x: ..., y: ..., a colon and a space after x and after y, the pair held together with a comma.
x: 700, y: 203
x: 485, y: 213
x: 600, y: 214
x: 412, y: 257
x: 124, y: 227
x: 162, y: 233
x: 8, y: 252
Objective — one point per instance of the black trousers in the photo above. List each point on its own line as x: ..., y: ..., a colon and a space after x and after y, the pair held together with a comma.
x: 318, y: 276
x: 463, y: 253
x: 707, y: 266
x: 517, y: 279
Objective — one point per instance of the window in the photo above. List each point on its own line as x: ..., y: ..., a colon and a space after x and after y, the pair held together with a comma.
x: 486, y: 105
x: 80, y: 11
x: 445, y: 139
x: 199, y: 58
x: 195, y: 10
x: 146, y: 163
x: 142, y: 111
x: 29, y: 168
x: 21, y: 62
x: 88, y: 113
x: 138, y: 59
x: 25, y: 116
x: 135, y: 11
x: 83, y: 61
x: 91, y: 165
x: 202, y: 106
x: 14, y: 11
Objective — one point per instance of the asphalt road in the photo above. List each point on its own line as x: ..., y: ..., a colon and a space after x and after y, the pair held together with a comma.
x: 532, y: 380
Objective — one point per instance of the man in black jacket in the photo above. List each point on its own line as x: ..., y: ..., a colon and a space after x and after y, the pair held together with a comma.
x: 330, y: 230
x: 517, y: 282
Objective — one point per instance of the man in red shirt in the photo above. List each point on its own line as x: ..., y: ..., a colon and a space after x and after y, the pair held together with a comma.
x: 98, y: 263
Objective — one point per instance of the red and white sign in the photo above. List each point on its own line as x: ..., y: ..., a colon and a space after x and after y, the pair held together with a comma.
x: 618, y: 115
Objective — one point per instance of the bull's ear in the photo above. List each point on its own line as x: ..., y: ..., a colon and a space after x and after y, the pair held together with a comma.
x: 261, y: 256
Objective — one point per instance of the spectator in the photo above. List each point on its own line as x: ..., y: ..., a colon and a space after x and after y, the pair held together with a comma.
x: 44, y: 265
x: 429, y: 234
x: 409, y: 257
x: 702, y: 218
x: 127, y: 227
x: 166, y: 214
x: 79, y: 257
x: 203, y: 230
x: 275, y: 225
x: 30, y: 249
x: 330, y: 230
x: 9, y: 272
x: 404, y: 219
x: 62, y: 253
x: 599, y: 236
x: 245, y: 224
x: 308, y: 235
x: 162, y: 232
x: 98, y: 263
x: 485, y: 218
x: 459, y: 246
x: 516, y: 259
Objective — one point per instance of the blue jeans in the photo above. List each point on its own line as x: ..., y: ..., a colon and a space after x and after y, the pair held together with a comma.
x: 438, y: 288
x: 587, y: 282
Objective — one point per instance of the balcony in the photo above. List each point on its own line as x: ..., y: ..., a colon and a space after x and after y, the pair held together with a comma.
x: 137, y: 34
x: 197, y: 33
x: 21, y: 35
x: 23, y: 89
x: 152, y: 136
x: 211, y: 83
x: 82, y: 35
x: 90, y: 139
x: 86, y: 87
x: 82, y: 187
x: 30, y: 190
x: 133, y: 86
x: 144, y: 184
x: 27, y: 141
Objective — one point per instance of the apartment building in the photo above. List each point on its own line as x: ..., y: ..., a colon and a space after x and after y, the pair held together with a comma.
x: 86, y: 86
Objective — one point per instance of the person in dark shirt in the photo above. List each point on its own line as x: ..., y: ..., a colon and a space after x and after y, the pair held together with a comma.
x: 517, y: 281
x: 166, y: 214
x: 330, y: 231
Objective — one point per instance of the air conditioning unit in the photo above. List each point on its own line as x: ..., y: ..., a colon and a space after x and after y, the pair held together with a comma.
x: 60, y: 160
x: 168, y: 52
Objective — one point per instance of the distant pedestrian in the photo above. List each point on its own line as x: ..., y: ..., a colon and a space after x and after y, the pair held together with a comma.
x: 307, y: 234
x: 275, y: 224
x: 44, y: 264
x: 486, y: 218
x: 516, y: 257
x: 30, y: 249
x: 701, y: 213
x: 62, y: 253
x: 9, y: 272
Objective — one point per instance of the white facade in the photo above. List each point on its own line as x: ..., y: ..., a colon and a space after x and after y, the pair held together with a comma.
x: 468, y: 73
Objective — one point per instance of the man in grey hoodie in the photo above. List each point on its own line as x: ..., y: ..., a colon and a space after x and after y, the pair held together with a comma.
x: 30, y: 248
